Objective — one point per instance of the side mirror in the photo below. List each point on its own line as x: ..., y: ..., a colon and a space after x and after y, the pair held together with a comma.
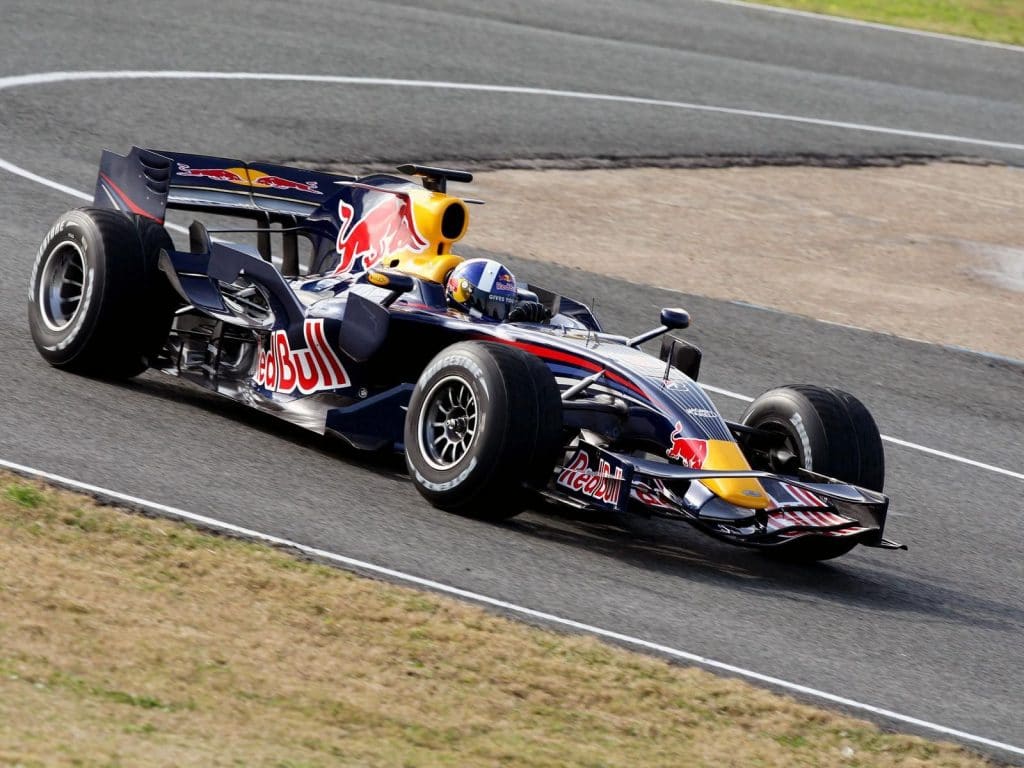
x: 674, y: 318
x: 682, y: 355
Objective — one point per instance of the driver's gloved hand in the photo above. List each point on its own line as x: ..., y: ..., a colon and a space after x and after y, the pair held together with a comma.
x: 529, y: 312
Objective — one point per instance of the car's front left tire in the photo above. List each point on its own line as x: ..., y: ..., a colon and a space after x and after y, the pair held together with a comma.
x: 484, y: 426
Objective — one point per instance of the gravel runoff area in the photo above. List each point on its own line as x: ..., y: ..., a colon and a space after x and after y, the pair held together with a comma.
x: 933, y: 251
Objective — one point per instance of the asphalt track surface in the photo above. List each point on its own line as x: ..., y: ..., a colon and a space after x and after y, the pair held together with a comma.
x: 934, y: 632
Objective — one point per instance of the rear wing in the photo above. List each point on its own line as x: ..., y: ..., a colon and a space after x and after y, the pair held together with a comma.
x: 148, y: 182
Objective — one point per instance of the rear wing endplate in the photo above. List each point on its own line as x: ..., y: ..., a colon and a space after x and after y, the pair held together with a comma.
x: 148, y: 182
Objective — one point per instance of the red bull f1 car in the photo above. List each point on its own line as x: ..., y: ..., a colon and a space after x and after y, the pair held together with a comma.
x: 335, y: 318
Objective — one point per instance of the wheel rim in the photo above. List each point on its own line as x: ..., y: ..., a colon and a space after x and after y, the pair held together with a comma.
x: 448, y: 422
x: 62, y: 286
x: 782, y: 429
x: 789, y: 444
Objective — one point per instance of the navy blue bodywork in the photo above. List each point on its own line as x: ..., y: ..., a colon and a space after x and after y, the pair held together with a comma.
x: 341, y: 353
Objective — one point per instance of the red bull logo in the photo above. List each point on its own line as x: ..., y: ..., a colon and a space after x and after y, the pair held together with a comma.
x: 385, y: 229
x: 277, y: 182
x: 249, y: 178
x: 601, y: 485
x: 283, y: 369
x: 504, y: 283
x: 235, y: 175
x: 690, y: 451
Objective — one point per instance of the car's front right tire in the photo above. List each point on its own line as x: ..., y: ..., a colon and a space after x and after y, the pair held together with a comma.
x: 827, y: 431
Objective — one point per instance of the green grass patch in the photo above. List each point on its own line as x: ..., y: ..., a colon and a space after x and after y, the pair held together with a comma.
x: 997, y: 20
x: 27, y: 496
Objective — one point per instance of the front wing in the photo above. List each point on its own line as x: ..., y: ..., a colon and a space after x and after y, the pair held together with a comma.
x: 594, y: 478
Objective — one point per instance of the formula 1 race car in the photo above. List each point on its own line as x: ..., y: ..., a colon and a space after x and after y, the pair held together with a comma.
x: 347, y: 327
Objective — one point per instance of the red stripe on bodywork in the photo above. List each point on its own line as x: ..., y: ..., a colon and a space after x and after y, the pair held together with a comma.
x: 803, y: 496
x: 128, y: 201
x: 581, y: 362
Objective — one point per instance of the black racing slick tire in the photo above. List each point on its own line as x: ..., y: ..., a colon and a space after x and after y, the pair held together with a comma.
x: 97, y: 304
x: 830, y: 432
x: 871, y: 461
x: 484, y: 426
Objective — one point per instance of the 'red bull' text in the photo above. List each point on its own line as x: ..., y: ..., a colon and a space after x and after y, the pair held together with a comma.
x: 283, y: 369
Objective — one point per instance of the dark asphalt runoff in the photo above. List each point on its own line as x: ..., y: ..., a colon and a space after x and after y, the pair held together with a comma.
x: 936, y: 633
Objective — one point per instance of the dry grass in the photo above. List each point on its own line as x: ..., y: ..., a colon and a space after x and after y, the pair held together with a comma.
x: 130, y: 641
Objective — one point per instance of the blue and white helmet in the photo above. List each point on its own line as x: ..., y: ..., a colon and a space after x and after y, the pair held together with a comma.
x: 483, y: 288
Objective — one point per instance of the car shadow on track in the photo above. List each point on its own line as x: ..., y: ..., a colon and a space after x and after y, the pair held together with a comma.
x: 862, y: 579
x: 182, y: 392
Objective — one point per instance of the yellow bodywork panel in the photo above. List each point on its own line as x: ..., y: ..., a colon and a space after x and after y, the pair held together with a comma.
x: 741, y: 491
x: 426, y: 266
x: 440, y: 220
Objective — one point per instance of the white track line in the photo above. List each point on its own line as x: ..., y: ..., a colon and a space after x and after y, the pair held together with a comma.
x: 870, y: 25
x: 17, y: 170
x: 43, y: 78
x: 896, y: 441
x: 55, y: 77
x: 465, y: 594
x: 727, y: 393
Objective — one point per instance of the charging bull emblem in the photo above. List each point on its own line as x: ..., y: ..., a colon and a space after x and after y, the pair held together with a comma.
x: 385, y: 229
x: 688, y: 450
x: 234, y: 175
x: 278, y: 182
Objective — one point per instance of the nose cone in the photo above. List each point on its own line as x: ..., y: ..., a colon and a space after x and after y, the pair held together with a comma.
x: 742, y: 491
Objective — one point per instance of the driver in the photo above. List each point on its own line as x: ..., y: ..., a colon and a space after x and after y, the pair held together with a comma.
x: 487, y: 289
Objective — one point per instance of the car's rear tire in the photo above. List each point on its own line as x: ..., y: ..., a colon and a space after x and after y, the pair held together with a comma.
x: 484, y: 426
x: 829, y: 432
x: 161, y: 300
x: 96, y: 303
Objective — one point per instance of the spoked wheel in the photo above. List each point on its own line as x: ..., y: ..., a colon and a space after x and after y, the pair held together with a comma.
x: 96, y: 303
x: 61, y: 286
x: 448, y: 422
x: 484, y: 426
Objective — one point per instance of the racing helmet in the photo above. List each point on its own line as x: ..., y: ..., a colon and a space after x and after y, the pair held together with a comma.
x: 483, y: 288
